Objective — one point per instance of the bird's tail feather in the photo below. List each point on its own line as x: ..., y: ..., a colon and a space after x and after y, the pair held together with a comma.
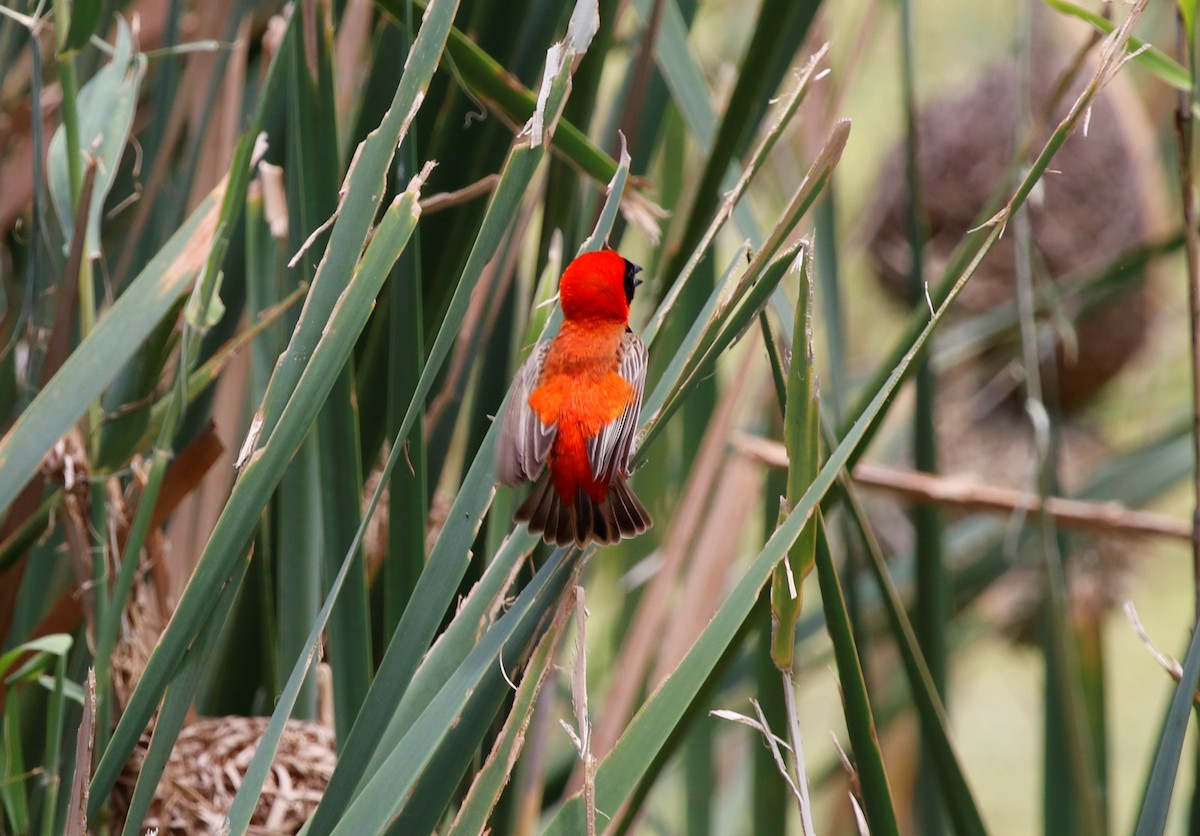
x: 584, y: 520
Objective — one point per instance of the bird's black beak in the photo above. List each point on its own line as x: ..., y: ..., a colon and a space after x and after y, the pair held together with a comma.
x: 631, y: 279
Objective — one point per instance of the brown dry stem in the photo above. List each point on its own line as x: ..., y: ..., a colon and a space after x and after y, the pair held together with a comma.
x: 960, y: 492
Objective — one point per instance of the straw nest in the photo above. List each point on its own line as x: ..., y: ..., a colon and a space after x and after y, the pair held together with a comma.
x: 1101, y: 198
x: 211, y: 754
x: 206, y: 768
x: 1098, y: 201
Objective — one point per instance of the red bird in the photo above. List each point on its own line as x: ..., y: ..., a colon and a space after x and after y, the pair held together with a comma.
x: 574, y: 407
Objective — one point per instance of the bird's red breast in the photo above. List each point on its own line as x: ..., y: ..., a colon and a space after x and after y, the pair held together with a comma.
x: 581, y: 392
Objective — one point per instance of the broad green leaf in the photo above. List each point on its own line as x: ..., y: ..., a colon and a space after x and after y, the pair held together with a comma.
x: 386, y: 790
x: 860, y: 720
x: 485, y: 789
x: 85, y: 15
x: 98, y: 359
x: 932, y: 610
x: 312, y: 176
x: 106, y: 106
x: 309, y: 525
x: 298, y: 587
x: 45, y: 648
x: 408, y: 497
x: 1187, y: 8
x: 51, y: 776
x: 1156, y: 803
x: 1149, y: 57
x: 935, y: 726
x: 12, y: 768
x: 801, y: 420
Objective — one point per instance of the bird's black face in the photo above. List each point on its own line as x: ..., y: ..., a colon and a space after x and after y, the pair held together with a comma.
x: 631, y: 280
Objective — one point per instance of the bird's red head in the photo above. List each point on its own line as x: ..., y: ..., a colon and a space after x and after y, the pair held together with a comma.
x: 598, y: 285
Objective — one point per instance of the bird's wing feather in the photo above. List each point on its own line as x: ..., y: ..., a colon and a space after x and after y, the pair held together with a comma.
x: 524, y: 440
x: 609, y: 451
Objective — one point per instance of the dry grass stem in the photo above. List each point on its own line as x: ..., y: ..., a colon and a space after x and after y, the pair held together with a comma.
x: 321, y: 228
x: 969, y: 495
x: 274, y: 196
x: 445, y: 200
x: 736, y: 496
x: 85, y: 741
x: 1185, y: 136
x: 859, y: 819
x: 581, y: 734
x: 1168, y: 664
x: 793, y: 715
x: 775, y: 743
x: 847, y: 764
x: 351, y: 56
x: 531, y: 777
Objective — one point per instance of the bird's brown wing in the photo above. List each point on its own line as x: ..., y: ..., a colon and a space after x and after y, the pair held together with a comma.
x: 609, y: 452
x: 524, y: 440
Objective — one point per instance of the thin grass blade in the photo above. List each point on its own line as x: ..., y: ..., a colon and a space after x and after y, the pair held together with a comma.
x: 1156, y: 803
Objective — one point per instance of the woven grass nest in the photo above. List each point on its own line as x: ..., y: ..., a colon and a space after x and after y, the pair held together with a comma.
x: 211, y: 754
x: 1102, y: 197
x: 1099, y: 199
x: 206, y: 767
